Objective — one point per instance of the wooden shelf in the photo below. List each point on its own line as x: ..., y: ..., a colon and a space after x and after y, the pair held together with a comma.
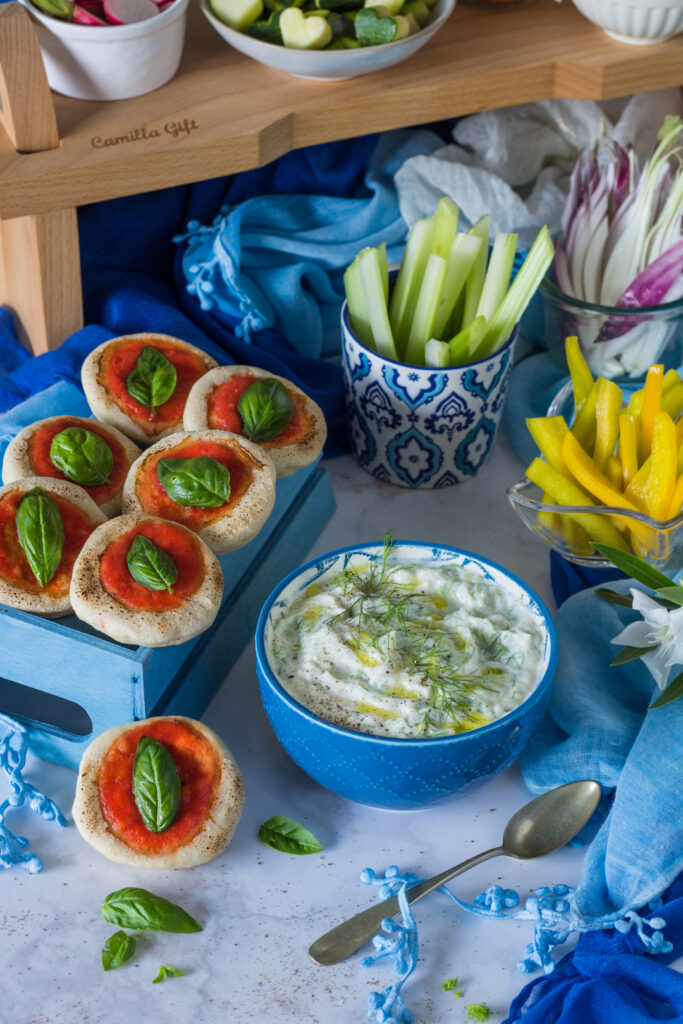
x: 234, y: 114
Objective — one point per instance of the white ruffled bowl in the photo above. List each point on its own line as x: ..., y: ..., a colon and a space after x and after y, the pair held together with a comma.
x: 638, y: 22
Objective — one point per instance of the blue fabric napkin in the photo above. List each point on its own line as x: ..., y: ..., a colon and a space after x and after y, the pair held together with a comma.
x: 278, y: 261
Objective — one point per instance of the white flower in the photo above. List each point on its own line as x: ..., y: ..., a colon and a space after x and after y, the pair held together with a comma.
x: 660, y: 627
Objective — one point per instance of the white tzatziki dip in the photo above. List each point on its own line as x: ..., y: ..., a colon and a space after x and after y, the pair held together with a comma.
x: 408, y: 650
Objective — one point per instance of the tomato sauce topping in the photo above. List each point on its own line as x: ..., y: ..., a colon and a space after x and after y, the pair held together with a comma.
x: 119, y: 360
x: 223, y: 414
x: 156, y: 502
x: 198, y: 766
x: 181, y: 546
x: 14, y: 567
x: 42, y: 464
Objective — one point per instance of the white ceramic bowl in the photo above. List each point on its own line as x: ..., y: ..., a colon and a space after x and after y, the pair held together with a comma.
x: 331, y: 65
x: 114, y: 62
x: 638, y: 22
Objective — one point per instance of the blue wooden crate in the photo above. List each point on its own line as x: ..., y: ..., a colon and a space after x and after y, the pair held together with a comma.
x: 70, y: 683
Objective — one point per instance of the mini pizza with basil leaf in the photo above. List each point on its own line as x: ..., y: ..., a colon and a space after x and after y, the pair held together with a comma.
x: 44, y: 524
x: 139, y: 383
x: 146, y: 581
x: 161, y: 793
x: 266, y: 409
x: 218, y: 484
x: 88, y: 453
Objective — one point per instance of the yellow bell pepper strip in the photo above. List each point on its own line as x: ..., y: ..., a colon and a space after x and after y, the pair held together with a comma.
x: 559, y: 524
x: 565, y: 492
x: 608, y: 401
x: 628, y: 448
x: 582, y: 378
x: 614, y: 473
x: 547, y: 519
x: 672, y: 400
x: 652, y: 487
x: 548, y: 432
x: 584, y: 426
x: 676, y: 503
x: 635, y: 404
x: 670, y: 378
x: 652, y: 404
x: 584, y: 470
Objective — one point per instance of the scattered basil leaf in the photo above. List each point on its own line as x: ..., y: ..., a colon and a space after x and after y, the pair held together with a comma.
x: 288, y: 836
x: 82, y: 456
x: 151, y: 566
x: 153, y: 379
x: 200, y: 482
x: 118, y: 950
x: 166, y: 971
x: 156, y: 784
x: 631, y: 654
x: 674, y: 691
x: 265, y: 409
x: 142, y: 910
x: 40, y: 530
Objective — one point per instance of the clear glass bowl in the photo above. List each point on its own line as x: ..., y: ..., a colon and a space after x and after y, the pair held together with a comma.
x: 618, y: 344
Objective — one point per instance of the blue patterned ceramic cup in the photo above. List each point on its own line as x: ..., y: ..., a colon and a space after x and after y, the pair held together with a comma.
x: 418, y: 427
x: 400, y: 774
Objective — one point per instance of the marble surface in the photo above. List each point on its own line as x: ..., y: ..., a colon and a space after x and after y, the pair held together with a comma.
x: 261, y: 909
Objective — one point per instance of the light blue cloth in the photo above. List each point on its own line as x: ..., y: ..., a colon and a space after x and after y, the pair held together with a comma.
x: 278, y: 260
x: 61, y: 399
x: 597, y: 726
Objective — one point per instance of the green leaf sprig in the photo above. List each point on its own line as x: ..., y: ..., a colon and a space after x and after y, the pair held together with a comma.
x: 666, y: 594
x: 118, y: 950
x: 199, y: 482
x: 288, y: 836
x: 265, y: 409
x: 150, y: 566
x: 142, y: 910
x: 166, y: 971
x: 153, y: 379
x: 40, y: 530
x: 82, y: 456
x: 156, y: 785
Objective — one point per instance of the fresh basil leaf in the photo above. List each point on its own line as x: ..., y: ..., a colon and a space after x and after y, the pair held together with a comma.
x: 288, y: 836
x: 156, y: 784
x: 40, y: 530
x: 634, y: 567
x: 200, y: 482
x: 151, y: 566
x: 118, y: 950
x: 153, y: 378
x: 142, y: 910
x: 631, y: 654
x: 166, y: 971
x: 82, y: 456
x: 265, y: 409
x: 674, y: 691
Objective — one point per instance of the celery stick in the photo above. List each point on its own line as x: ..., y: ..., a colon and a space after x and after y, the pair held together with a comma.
x: 454, y: 324
x: 467, y: 340
x: 460, y: 259
x: 498, y: 275
x: 445, y: 226
x: 519, y: 295
x: 371, y: 276
x: 422, y: 325
x: 404, y: 297
x: 475, y: 281
x: 384, y: 268
x: 358, y: 309
x: 437, y: 354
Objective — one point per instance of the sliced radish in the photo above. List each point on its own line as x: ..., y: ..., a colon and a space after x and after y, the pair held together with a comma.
x: 125, y: 12
x: 81, y: 16
x: 165, y: 6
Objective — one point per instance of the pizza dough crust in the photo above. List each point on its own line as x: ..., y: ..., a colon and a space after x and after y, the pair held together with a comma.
x: 209, y: 843
x: 287, y: 458
x: 106, y: 409
x: 101, y: 610
x: 246, y: 516
x: 17, y: 461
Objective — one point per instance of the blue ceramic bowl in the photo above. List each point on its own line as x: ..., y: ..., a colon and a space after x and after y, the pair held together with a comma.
x: 395, y: 773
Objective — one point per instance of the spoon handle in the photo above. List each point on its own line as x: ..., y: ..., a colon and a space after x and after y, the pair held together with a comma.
x: 349, y: 936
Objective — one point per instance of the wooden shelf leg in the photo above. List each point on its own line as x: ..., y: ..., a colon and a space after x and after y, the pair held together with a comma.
x: 40, y: 277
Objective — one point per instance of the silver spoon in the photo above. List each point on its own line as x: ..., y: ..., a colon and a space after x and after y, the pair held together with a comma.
x: 541, y: 826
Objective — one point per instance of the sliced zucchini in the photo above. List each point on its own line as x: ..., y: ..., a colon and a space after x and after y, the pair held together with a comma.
x: 344, y: 43
x: 301, y: 33
x: 373, y: 30
x: 238, y: 14
x: 267, y: 31
x: 392, y: 6
x: 339, y: 5
x: 419, y: 10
